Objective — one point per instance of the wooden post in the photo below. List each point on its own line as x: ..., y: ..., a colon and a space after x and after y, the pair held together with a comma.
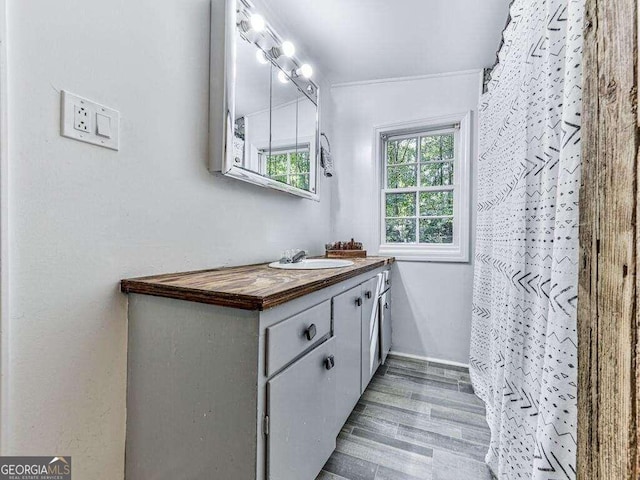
x: 608, y: 322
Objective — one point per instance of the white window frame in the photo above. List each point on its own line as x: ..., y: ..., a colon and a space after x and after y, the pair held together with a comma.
x: 458, y: 251
x: 288, y: 150
x: 290, y: 144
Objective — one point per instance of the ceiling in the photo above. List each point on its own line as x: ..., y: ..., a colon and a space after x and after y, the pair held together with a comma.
x: 356, y: 40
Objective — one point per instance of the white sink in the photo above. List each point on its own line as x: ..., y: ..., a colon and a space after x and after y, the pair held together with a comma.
x: 313, y: 264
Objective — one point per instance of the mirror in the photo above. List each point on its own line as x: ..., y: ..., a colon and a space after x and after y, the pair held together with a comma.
x: 293, y: 125
x: 270, y: 107
x: 252, y: 105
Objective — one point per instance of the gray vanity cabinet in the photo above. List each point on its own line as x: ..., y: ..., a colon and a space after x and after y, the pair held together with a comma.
x: 301, y: 410
x: 226, y: 393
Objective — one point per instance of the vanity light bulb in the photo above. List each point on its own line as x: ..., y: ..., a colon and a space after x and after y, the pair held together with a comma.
x: 288, y: 48
x: 306, y: 70
x: 257, y: 22
x: 261, y: 57
x: 283, y: 77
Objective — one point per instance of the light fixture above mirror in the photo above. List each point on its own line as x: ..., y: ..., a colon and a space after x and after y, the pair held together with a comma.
x: 264, y: 123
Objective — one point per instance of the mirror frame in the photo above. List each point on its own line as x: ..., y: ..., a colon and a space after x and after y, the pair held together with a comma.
x: 222, y: 104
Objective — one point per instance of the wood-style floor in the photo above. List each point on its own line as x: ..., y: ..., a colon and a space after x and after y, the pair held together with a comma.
x: 416, y: 421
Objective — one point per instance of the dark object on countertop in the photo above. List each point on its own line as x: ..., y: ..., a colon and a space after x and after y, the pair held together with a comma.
x: 352, y: 245
x: 345, y: 249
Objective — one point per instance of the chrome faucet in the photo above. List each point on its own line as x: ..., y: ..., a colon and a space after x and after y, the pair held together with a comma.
x: 299, y: 256
x: 293, y: 256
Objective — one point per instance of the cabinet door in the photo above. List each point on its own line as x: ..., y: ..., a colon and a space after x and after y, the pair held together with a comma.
x: 301, y: 406
x: 385, y: 324
x: 347, y: 327
x: 370, y: 331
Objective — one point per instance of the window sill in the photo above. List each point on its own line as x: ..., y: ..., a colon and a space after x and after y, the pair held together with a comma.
x: 412, y: 253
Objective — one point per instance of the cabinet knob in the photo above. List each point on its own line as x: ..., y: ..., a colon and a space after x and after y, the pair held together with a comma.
x: 310, y: 332
x: 367, y: 294
x: 329, y: 362
x: 386, y: 305
x: 359, y: 301
x: 388, y: 282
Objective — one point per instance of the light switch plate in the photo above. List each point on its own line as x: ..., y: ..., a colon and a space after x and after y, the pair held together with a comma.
x: 79, y: 120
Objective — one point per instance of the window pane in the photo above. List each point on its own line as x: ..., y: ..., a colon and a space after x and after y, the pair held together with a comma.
x: 401, y: 205
x: 300, y: 181
x: 436, y: 203
x: 280, y: 178
x: 300, y: 162
x: 277, y: 165
x: 401, y: 230
x: 436, y: 147
x: 435, y: 174
x: 436, y: 230
x: 402, y: 151
x: 401, y: 177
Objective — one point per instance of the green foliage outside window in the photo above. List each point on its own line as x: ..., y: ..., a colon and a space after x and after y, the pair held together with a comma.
x: 436, y: 230
x: 401, y: 204
x: 436, y: 203
x: 402, y: 151
x: 436, y: 148
x: 401, y: 230
x: 419, y: 216
x: 290, y: 167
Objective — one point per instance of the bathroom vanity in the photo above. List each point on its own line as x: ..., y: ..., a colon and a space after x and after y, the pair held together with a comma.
x: 249, y: 372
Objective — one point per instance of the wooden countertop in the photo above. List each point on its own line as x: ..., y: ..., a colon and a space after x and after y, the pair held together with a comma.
x: 250, y: 287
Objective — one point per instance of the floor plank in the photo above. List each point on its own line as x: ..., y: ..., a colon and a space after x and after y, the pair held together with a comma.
x: 417, y: 420
x: 349, y: 467
x: 448, y: 466
x: 365, y: 449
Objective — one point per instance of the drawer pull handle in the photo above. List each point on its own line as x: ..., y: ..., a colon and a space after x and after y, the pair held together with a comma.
x: 359, y: 301
x: 310, y: 332
x: 329, y: 362
x: 367, y: 294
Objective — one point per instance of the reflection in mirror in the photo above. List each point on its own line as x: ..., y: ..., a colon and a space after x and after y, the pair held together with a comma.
x: 252, y: 103
x: 281, y: 163
x: 275, y: 120
x: 293, y: 117
x: 306, y: 134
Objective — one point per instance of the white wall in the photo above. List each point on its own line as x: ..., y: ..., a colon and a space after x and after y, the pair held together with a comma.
x: 82, y: 217
x: 431, y: 301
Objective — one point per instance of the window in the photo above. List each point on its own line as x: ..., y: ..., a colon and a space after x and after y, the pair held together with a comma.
x: 425, y: 190
x: 290, y: 165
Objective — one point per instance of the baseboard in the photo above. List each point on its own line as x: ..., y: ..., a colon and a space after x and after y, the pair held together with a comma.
x: 429, y: 359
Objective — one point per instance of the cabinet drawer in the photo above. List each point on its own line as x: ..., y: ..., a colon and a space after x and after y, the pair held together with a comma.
x: 301, y: 409
x: 289, y: 338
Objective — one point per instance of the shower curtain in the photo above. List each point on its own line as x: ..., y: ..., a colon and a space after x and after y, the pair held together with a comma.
x: 523, y: 347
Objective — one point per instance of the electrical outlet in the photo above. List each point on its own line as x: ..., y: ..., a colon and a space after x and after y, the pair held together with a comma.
x: 82, y: 120
x: 88, y: 121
